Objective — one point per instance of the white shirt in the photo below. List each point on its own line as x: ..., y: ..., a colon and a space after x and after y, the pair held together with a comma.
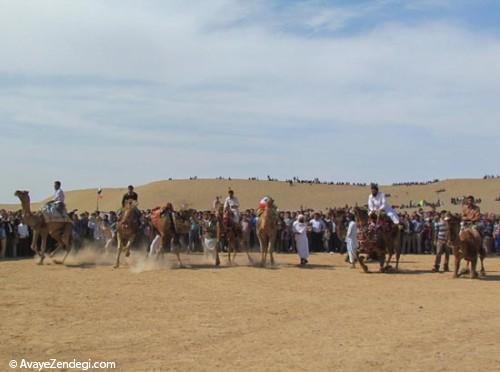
x: 317, y: 225
x: 233, y: 203
x: 23, y: 231
x: 377, y: 203
x: 59, y: 196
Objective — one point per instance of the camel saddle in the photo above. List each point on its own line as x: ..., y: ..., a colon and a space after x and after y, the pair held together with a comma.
x: 53, y: 213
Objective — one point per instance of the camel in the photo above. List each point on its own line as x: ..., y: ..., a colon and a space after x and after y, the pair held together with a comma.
x: 380, y: 244
x: 466, y: 245
x: 164, y: 223
x: 267, y: 228
x: 339, y: 217
x: 127, y: 230
x: 59, y: 231
x: 228, y: 232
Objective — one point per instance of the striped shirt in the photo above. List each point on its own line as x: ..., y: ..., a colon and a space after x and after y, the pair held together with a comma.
x: 442, y: 230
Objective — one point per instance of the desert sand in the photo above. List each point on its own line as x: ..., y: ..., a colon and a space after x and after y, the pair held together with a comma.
x: 325, y: 317
x: 200, y: 193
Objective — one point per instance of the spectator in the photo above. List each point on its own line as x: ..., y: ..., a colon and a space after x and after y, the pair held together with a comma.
x: 23, y: 245
x: 302, y: 243
x: 317, y: 229
x: 3, y: 237
x: 351, y: 240
x: 418, y: 228
x: 442, y: 237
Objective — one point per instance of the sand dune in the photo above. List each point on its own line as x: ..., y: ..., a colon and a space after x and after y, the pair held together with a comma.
x: 200, y: 193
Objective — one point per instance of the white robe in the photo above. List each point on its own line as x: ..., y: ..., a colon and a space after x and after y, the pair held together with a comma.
x: 351, y: 240
x: 300, y: 231
x: 379, y: 203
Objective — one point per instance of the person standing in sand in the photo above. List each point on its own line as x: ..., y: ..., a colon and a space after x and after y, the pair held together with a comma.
x: 351, y: 240
x: 300, y: 232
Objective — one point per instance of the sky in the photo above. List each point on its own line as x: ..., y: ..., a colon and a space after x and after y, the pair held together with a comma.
x: 111, y: 93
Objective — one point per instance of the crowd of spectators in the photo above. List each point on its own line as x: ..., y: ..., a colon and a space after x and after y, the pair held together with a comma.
x: 97, y: 228
x: 415, y: 183
x: 461, y: 200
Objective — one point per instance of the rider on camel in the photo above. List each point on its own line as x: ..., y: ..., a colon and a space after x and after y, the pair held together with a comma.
x: 58, y: 201
x: 233, y: 204
x: 471, y: 215
x: 377, y: 203
x: 130, y: 195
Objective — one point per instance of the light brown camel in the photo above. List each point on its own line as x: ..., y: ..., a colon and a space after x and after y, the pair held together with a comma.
x: 379, y: 241
x: 466, y: 245
x: 163, y: 222
x: 59, y: 231
x: 267, y: 228
x: 126, y: 229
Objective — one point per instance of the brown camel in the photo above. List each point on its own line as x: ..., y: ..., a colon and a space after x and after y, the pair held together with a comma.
x: 228, y: 232
x: 267, y: 229
x: 164, y: 223
x: 127, y: 229
x: 59, y: 231
x: 466, y: 245
x: 379, y: 243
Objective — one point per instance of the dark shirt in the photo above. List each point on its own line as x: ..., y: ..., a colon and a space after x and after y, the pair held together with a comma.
x: 129, y: 196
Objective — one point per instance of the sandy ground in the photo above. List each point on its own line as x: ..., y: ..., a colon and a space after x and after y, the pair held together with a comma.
x: 243, y: 318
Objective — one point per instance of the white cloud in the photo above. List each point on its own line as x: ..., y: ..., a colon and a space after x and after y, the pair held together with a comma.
x: 219, y: 74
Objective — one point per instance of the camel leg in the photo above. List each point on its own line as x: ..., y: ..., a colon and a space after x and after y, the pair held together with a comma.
x: 34, y: 243
x: 263, y: 248
x: 382, y: 262
x: 62, y: 243
x: 229, y: 249
x: 482, y: 256
x: 119, y: 251
x: 217, y: 258
x: 68, y: 250
x: 398, y: 255
x: 388, y: 262
x: 457, y: 266
x: 271, y: 249
x: 361, y: 260
x: 177, y: 253
x: 247, y: 250
x: 483, y: 271
x: 235, y: 247
x: 473, y: 268
x: 43, y: 248
x: 266, y: 248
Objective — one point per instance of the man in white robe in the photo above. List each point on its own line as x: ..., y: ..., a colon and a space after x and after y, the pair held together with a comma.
x: 377, y: 203
x: 300, y: 232
x: 233, y: 204
x: 351, y: 240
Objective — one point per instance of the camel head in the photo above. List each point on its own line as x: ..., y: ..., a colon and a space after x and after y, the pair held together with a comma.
x: 270, y: 203
x: 22, y: 195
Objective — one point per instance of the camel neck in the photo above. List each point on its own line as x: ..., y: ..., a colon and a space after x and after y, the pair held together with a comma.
x: 26, y: 207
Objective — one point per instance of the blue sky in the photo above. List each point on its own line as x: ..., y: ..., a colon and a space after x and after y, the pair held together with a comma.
x: 111, y: 93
